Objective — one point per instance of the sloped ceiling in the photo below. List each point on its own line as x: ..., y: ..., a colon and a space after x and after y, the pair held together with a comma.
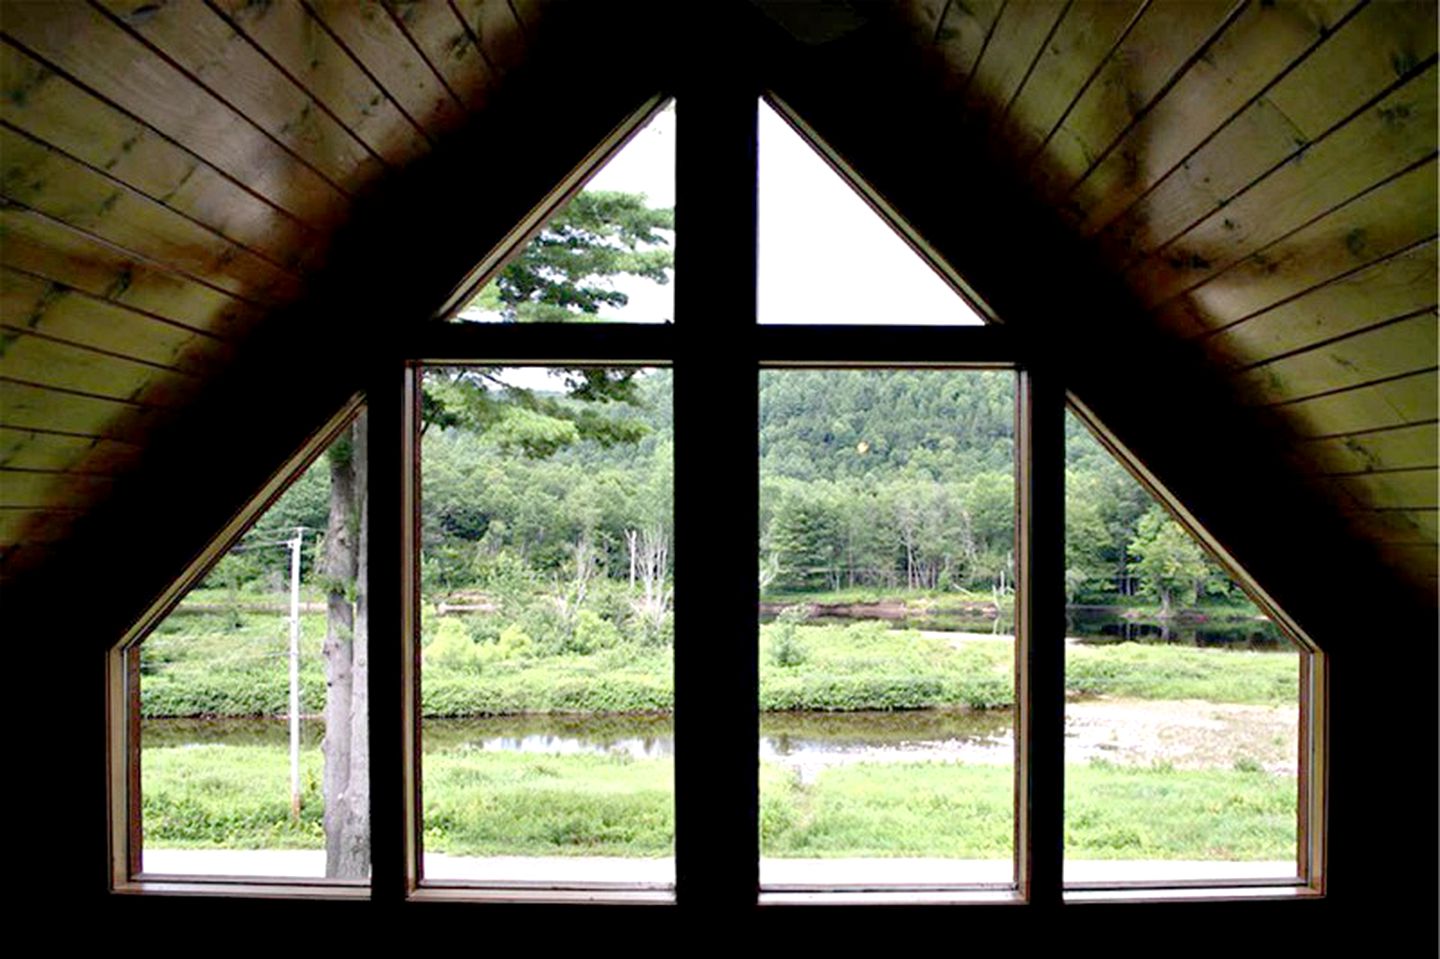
x: 1256, y: 181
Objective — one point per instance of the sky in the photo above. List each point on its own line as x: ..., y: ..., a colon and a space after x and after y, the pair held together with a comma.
x: 825, y: 255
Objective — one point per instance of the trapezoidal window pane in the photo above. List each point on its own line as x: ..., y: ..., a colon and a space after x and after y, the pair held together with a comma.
x: 606, y: 255
x: 887, y: 653
x: 825, y: 256
x: 1183, y: 718
x: 253, y: 696
x: 546, y: 626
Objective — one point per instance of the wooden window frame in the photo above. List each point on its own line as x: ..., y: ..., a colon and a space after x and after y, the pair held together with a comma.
x: 716, y: 350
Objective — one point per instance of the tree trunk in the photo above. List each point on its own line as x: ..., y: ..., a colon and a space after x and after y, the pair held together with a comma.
x: 346, y: 747
x: 338, y: 575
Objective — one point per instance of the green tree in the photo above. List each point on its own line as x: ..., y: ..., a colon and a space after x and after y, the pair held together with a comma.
x: 1169, y: 561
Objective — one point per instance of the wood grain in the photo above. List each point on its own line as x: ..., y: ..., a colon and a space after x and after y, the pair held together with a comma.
x: 1396, y: 286
x: 301, y: 46
x: 1399, y: 402
x: 1389, y: 350
x: 1245, y: 59
x: 1363, y: 59
x: 31, y: 449
x: 440, y: 35
x: 23, y: 406
x: 1377, y: 145
x: 41, y: 491
x: 46, y: 248
x: 89, y: 46
x: 43, y: 362
x: 1014, y: 45
x: 1404, y: 447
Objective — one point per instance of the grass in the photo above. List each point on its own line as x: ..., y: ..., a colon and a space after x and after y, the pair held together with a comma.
x: 491, y: 803
x: 215, y: 665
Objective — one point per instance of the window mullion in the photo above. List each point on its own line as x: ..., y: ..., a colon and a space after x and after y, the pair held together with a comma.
x: 1041, y: 630
x: 716, y: 499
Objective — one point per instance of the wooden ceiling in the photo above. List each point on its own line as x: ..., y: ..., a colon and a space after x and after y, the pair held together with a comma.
x: 1261, y: 177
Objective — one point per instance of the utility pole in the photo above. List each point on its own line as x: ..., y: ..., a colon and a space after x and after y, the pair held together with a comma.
x: 295, y: 672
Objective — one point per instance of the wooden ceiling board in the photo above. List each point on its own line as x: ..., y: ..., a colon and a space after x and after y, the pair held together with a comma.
x: 1391, y: 217
x: 1363, y: 59
x: 40, y: 491
x: 368, y: 32
x: 226, y: 64
x: 1392, y: 349
x: 960, y: 37
x: 1379, y: 144
x: 1403, y: 401
x: 436, y: 29
x: 1405, y: 527
x: 496, y: 31
x: 302, y: 47
x: 1165, y: 39
x: 27, y: 407
x: 92, y: 48
x: 1396, y: 286
x: 33, y: 450
x: 1015, y: 44
x: 50, y: 250
x: 1085, y: 36
x: 1419, y: 563
x: 1397, y: 489
x: 50, y: 108
x: 1245, y: 59
x: 30, y: 526
x: 43, y: 179
x: 28, y: 303
x: 1403, y: 447
x: 38, y: 361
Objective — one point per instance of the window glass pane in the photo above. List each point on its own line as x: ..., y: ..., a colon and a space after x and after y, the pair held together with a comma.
x: 546, y: 625
x: 1183, y: 717
x: 887, y: 657
x: 825, y: 256
x: 607, y: 255
x: 234, y: 780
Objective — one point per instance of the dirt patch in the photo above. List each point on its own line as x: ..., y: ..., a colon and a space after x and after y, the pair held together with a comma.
x: 1188, y: 734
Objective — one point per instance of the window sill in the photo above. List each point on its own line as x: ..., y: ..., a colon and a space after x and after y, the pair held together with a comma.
x: 147, y: 885
x: 1189, y: 894
x: 893, y: 897
x: 520, y: 893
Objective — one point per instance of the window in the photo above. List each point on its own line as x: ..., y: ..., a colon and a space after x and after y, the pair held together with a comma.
x: 714, y: 355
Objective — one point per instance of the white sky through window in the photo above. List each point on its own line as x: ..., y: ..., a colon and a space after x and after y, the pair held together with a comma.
x: 826, y: 257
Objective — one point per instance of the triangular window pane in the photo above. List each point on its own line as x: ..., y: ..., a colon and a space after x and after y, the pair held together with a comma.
x: 825, y: 256
x: 1184, y: 720
x: 607, y: 255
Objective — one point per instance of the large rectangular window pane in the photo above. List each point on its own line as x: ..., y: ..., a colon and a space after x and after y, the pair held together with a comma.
x: 546, y: 625
x: 253, y: 699
x: 1183, y: 717
x: 887, y: 655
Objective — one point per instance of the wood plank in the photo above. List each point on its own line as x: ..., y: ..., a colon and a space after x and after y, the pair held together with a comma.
x: 28, y: 303
x: 1405, y: 346
x: 30, y: 407
x: 1410, y: 527
x: 41, y: 178
x: 1245, y: 59
x: 1399, y: 402
x: 1164, y: 39
x: 1378, y: 144
x: 1086, y: 35
x: 1383, y: 221
x: 93, y: 49
x: 1357, y: 63
x: 960, y: 36
x: 301, y: 45
x: 437, y: 30
x: 19, y: 526
x: 43, y: 362
x: 43, y: 247
x: 1014, y: 44
x: 1413, y: 489
x: 374, y: 39
x: 494, y: 27
x: 1394, y: 287
x: 52, y: 109
x: 224, y: 62
x: 1403, y: 447
x: 51, y: 490
x: 920, y: 19
x: 31, y: 449
x: 1418, y: 563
